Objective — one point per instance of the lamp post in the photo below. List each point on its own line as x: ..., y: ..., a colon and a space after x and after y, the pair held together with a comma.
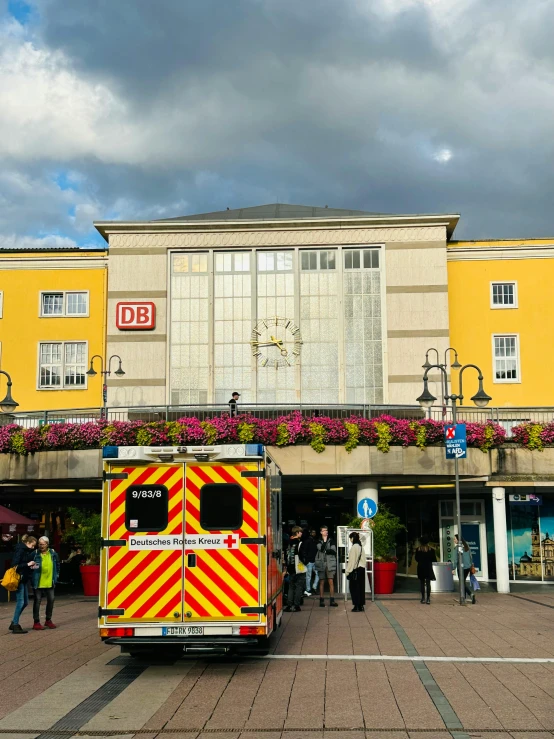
x: 444, y: 365
x: 426, y: 400
x: 91, y: 372
x: 8, y: 404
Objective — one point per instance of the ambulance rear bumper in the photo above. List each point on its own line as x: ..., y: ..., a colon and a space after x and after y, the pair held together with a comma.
x: 188, y: 643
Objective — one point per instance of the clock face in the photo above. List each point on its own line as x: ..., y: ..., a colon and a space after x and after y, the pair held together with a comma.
x: 276, y: 342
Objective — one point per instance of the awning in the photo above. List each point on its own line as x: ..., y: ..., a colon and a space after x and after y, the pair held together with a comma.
x: 14, y: 523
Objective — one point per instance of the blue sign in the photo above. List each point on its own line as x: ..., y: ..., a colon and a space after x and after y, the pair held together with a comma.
x: 367, y: 508
x: 455, y: 441
x: 529, y: 499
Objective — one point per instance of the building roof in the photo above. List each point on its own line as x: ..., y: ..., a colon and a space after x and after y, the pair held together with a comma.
x: 271, y: 212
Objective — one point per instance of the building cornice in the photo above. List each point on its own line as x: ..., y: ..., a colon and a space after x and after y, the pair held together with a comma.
x: 448, y: 221
x: 495, y: 253
x: 32, y: 263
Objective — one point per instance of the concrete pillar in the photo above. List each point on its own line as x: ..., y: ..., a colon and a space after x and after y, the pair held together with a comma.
x: 367, y: 489
x: 500, y: 540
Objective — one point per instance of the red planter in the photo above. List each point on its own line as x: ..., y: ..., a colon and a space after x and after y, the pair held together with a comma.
x: 384, y: 576
x: 90, y: 575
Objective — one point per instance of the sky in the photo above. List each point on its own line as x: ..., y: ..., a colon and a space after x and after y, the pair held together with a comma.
x: 134, y: 109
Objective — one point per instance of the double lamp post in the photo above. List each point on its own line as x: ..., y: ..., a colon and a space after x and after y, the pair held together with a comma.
x: 427, y: 400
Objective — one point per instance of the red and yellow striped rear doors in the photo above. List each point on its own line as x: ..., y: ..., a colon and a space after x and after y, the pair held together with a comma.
x: 146, y: 585
x: 221, y: 582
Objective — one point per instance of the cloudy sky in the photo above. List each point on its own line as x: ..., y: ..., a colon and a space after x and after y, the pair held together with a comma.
x: 141, y: 109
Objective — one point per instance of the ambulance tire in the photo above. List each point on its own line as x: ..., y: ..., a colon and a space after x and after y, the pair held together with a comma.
x: 263, y: 646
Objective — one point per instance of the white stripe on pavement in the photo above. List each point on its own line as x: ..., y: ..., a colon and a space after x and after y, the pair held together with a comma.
x: 406, y: 658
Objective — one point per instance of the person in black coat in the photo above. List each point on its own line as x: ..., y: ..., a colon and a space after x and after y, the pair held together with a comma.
x: 24, y: 563
x: 425, y: 556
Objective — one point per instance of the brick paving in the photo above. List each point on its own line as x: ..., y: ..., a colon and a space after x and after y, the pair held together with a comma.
x: 301, y: 698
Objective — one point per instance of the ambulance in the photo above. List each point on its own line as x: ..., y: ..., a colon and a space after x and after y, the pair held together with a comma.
x: 191, y: 557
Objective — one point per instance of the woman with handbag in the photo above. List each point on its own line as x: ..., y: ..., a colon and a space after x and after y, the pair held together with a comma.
x: 425, y: 556
x: 355, y: 572
x: 24, y: 563
x: 467, y: 564
x: 326, y: 566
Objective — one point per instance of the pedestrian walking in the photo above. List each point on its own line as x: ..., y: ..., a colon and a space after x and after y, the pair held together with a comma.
x: 467, y: 564
x: 425, y: 556
x: 24, y: 563
x: 233, y: 410
x: 45, y: 577
x: 296, y: 570
x: 356, y: 572
x: 309, y: 546
x: 326, y: 566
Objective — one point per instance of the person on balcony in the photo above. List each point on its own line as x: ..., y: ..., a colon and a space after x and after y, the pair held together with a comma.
x: 233, y: 404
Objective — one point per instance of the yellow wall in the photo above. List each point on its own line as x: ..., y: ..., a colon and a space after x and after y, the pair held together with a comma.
x: 473, y: 322
x: 22, y: 277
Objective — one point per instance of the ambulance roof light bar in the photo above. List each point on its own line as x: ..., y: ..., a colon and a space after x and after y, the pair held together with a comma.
x: 200, y: 453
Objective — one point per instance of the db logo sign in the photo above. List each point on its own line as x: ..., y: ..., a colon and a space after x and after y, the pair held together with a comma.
x: 135, y: 316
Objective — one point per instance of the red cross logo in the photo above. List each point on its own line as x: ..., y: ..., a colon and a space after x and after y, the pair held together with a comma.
x: 230, y: 540
x: 451, y: 432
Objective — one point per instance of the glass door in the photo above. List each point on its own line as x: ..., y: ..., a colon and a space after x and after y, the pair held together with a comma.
x: 473, y: 531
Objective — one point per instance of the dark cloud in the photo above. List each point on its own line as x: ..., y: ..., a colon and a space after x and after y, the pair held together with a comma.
x: 166, y: 108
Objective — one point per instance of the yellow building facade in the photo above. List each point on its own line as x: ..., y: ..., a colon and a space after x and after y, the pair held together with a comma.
x: 501, y: 315
x: 52, y: 321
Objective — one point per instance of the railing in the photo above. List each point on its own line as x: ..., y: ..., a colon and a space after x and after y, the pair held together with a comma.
x: 507, y: 417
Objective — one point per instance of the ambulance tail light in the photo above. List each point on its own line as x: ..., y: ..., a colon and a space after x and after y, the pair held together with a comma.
x: 105, y: 633
x: 252, y: 631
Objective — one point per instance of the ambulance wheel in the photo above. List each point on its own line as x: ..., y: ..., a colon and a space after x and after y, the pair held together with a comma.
x: 263, y: 646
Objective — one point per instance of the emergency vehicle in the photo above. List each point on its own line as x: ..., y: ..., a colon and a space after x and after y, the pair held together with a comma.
x: 191, y: 549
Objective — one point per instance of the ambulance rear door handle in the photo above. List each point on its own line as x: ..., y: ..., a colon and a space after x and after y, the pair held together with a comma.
x: 191, y: 560
x: 254, y: 540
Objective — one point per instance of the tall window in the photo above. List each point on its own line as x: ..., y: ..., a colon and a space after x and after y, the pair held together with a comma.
x: 62, y: 364
x: 67, y: 304
x: 503, y: 294
x: 189, y: 360
x: 506, y: 358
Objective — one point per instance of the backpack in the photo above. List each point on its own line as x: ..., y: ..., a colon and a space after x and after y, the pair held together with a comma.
x: 11, y: 580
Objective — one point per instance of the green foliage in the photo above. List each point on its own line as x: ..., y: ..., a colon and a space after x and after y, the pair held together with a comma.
x: 318, y: 434
x: 210, y: 431
x: 18, y: 443
x: 246, y: 432
x: 87, y: 533
x: 386, y: 525
x: 283, y: 435
x: 384, y: 436
x: 353, y: 436
x: 535, y: 438
x: 144, y: 436
x: 420, y: 435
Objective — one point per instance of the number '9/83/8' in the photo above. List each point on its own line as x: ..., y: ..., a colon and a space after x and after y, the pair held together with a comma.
x: 146, y: 493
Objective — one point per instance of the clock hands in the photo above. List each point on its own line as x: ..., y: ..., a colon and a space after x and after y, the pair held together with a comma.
x: 274, y: 342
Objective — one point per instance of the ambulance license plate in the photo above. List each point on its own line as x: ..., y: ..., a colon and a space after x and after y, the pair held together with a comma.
x: 183, y: 631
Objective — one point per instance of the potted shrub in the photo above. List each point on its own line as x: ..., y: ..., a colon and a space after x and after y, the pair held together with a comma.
x: 386, y: 525
x: 86, y: 534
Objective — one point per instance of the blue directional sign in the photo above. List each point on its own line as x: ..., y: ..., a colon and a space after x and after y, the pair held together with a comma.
x: 455, y: 441
x: 367, y: 508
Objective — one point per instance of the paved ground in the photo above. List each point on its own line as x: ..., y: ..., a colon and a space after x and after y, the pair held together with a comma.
x: 399, y: 670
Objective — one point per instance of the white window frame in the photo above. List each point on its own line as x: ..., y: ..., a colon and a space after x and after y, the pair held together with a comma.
x: 503, y: 306
x: 63, y: 386
x: 319, y: 252
x: 64, y: 313
x: 495, y: 380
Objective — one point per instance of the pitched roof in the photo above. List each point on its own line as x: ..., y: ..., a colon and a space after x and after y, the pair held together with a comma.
x: 271, y: 212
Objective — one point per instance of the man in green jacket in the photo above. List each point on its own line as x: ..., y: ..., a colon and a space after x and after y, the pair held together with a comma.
x: 45, y: 577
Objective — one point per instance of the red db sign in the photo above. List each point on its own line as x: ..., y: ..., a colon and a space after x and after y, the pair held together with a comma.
x: 135, y: 316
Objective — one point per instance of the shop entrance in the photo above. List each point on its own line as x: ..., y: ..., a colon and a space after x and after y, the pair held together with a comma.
x: 309, y: 502
x: 473, y: 531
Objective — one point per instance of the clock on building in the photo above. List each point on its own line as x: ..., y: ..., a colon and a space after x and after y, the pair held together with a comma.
x: 276, y: 342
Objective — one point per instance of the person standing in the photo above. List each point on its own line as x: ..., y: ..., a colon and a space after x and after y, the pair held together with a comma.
x: 296, y: 570
x: 45, y: 577
x: 24, y: 563
x: 309, y: 548
x: 425, y: 556
x: 356, y: 572
x: 326, y: 566
x: 467, y: 563
x: 233, y: 410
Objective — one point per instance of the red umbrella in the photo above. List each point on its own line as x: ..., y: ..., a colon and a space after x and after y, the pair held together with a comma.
x: 13, y: 522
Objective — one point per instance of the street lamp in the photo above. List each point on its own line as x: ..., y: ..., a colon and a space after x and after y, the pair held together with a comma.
x: 426, y: 400
x: 91, y: 372
x: 8, y: 404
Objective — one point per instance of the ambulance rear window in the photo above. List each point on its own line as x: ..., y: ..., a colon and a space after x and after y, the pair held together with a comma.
x: 146, y: 508
x: 221, y: 507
